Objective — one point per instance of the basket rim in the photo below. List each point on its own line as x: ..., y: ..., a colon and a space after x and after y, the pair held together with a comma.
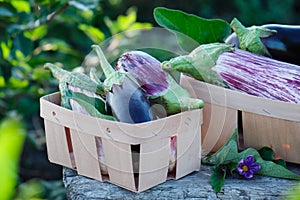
x: 49, y: 110
x: 241, y: 101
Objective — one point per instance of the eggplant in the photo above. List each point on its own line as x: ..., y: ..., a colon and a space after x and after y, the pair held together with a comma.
x: 159, y: 85
x: 240, y: 70
x: 145, y: 69
x: 128, y: 103
x: 283, y: 46
x: 124, y: 97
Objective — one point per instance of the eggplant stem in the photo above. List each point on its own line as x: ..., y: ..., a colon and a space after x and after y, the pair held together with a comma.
x: 106, y: 67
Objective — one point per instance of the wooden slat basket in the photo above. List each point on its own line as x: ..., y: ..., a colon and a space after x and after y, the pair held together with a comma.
x: 261, y: 122
x: 73, y: 141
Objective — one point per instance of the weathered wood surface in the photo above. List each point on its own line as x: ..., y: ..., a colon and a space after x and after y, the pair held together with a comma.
x: 193, y: 186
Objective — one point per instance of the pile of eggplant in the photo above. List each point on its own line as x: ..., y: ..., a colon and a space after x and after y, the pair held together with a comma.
x: 135, y: 90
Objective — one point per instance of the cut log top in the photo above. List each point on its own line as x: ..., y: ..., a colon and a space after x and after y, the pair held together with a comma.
x: 193, y: 186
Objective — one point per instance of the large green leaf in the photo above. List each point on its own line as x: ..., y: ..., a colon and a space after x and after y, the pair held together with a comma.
x: 192, y: 30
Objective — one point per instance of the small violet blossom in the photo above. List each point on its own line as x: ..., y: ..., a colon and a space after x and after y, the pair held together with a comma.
x: 247, y: 167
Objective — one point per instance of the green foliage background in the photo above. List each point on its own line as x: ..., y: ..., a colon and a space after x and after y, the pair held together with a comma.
x: 34, y: 32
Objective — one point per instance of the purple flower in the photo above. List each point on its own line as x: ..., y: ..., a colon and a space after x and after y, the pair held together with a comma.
x: 247, y: 167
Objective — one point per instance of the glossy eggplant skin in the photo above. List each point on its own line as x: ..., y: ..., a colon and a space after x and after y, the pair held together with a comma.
x: 145, y: 69
x: 128, y: 103
x: 283, y: 46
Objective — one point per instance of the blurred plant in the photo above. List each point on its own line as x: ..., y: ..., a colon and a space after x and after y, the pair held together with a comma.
x: 294, y: 193
x: 12, y: 134
x: 32, y: 33
x: 41, y: 189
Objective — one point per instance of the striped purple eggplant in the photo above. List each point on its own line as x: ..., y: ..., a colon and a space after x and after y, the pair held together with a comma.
x: 146, y: 69
x: 240, y: 70
x: 260, y: 76
x: 159, y: 85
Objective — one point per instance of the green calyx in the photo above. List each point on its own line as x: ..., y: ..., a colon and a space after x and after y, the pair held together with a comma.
x: 75, y: 79
x: 250, y: 39
x: 199, y: 62
x: 176, y: 99
x: 112, y: 77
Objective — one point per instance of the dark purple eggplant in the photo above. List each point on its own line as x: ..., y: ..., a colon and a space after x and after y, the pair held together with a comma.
x: 128, y: 103
x: 124, y: 97
x: 283, y: 46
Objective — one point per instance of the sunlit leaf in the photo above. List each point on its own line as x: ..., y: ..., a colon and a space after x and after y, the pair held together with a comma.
x: 2, y: 81
x: 40, y: 74
x: 138, y: 25
x: 125, y: 21
x: 21, y: 6
x: 17, y: 83
x: 5, y: 49
x: 12, y: 134
x: 92, y: 32
x: 36, y: 33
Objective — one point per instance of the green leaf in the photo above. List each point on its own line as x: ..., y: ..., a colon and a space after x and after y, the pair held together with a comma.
x: 294, y: 194
x: 2, y: 82
x: 36, y: 33
x: 126, y: 21
x: 269, y: 168
x: 39, y: 74
x: 226, y: 153
x: 17, y: 83
x: 99, y: 104
x: 23, y: 44
x: 192, y: 30
x: 92, y: 32
x: 21, y: 6
x: 268, y: 154
x: 5, y: 49
x: 90, y: 108
x: 32, y: 189
x: 75, y: 79
x: 217, y: 178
